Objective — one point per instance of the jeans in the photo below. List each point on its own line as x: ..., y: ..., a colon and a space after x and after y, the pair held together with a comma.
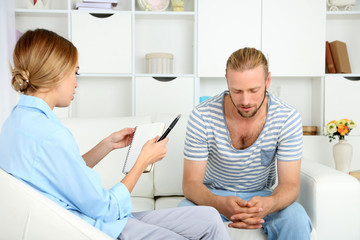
x: 290, y: 223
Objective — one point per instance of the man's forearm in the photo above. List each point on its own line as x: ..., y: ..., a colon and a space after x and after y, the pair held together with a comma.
x: 283, y: 196
x: 199, y: 194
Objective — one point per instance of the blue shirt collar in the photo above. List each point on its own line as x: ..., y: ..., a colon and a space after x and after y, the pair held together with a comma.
x: 37, y: 104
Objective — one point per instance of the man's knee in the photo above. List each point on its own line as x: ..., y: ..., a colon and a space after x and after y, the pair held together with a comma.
x: 295, y: 215
x: 186, y: 203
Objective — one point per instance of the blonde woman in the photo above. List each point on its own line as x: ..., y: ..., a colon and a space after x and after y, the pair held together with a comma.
x: 37, y: 149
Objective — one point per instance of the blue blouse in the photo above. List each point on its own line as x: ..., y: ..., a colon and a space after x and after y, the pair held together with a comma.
x: 36, y: 148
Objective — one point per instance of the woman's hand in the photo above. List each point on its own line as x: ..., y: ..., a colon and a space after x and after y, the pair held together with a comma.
x: 152, y: 152
x: 116, y: 140
x: 121, y: 138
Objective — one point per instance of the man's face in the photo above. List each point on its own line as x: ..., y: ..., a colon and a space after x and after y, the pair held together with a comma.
x: 247, y: 89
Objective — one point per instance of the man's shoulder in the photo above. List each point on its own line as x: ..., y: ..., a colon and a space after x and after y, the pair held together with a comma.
x: 211, y: 103
x: 277, y: 105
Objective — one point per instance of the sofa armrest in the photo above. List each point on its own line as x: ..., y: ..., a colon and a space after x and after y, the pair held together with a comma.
x: 332, y: 200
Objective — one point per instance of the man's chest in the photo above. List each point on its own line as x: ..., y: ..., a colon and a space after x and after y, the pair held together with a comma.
x: 244, y: 135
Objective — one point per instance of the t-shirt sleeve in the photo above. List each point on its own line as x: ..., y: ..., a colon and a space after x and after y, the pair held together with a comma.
x: 290, y: 147
x: 196, y: 147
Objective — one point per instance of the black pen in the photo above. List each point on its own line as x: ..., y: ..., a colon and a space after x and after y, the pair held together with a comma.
x: 169, y: 128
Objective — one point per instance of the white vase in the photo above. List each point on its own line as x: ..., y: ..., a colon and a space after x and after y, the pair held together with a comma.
x: 343, y: 152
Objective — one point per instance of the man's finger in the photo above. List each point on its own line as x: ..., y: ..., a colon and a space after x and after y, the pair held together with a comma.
x: 241, y: 202
x: 243, y: 225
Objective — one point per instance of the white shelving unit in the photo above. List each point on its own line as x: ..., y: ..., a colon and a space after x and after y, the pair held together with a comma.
x: 104, y: 87
x: 201, y: 38
x: 341, y: 91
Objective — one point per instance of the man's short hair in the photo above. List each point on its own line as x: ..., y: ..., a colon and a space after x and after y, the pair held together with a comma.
x: 247, y: 59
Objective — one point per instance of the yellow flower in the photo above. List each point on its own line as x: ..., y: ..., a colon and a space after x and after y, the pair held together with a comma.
x: 341, y: 122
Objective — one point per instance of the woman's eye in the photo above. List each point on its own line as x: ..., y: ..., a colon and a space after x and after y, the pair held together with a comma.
x: 76, y: 73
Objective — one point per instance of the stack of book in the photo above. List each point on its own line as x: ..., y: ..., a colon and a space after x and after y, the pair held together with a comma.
x: 337, y: 58
x: 96, y: 5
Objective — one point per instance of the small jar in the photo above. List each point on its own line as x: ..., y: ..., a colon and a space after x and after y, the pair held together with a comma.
x: 178, y: 5
x: 159, y: 63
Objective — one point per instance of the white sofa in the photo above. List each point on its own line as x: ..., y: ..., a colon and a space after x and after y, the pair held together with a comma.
x: 331, y: 198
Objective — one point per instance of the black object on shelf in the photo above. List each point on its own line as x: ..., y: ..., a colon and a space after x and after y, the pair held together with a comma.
x: 164, y: 79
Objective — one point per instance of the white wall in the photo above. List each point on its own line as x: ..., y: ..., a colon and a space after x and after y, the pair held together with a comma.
x: 8, y: 96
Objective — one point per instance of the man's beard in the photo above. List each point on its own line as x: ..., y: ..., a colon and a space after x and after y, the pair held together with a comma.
x: 248, y: 114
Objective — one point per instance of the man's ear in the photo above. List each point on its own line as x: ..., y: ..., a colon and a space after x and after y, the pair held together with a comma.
x: 268, y: 80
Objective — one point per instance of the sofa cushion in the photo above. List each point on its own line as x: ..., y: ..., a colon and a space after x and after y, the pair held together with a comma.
x: 142, y: 204
x: 168, y: 202
x: 168, y: 172
x: 90, y: 131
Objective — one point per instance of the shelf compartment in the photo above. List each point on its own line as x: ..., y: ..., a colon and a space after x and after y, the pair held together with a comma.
x: 106, y: 97
x: 346, y: 29
x: 189, y: 6
x: 53, y: 5
x: 104, y: 44
x: 174, y: 35
x: 54, y: 20
x: 158, y: 97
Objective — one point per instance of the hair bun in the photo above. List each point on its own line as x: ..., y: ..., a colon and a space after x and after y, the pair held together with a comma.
x: 20, y: 80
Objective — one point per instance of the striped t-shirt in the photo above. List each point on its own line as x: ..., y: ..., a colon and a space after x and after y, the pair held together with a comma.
x: 250, y: 169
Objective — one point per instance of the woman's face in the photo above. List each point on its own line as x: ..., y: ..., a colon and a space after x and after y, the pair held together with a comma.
x: 66, y: 90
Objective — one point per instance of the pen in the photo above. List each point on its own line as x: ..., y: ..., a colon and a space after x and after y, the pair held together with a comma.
x: 169, y: 128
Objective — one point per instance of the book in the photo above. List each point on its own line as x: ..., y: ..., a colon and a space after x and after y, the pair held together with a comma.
x: 97, y: 10
x: 114, y: 2
x: 142, y: 134
x: 340, y: 56
x: 355, y: 174
x: 329, y: 59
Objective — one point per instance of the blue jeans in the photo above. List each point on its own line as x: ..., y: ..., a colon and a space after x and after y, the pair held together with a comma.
x: 290, y: 223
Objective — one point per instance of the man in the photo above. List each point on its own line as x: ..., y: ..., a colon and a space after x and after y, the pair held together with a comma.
x: 233, y: 142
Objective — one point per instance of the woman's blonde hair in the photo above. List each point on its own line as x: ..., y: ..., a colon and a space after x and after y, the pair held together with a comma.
x: 42, y: 59
x: 247, y: 59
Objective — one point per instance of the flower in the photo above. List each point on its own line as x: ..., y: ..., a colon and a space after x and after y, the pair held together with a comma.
x: 339, y: 128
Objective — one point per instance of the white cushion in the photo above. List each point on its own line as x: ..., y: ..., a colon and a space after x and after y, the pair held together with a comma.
x: 167, y: 202
x: 90, y: 131
x: 142, y: 204
x: 169, y: 171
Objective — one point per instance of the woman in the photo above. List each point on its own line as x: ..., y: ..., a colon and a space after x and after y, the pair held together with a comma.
x: 36, y: 148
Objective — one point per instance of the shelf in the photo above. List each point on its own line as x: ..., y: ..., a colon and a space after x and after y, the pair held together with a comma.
x: 344, y: 74
x: 165, y: 75
x: 343, y: 15
x: 164, y: 15
x: 42, y: 12
x: 352, y: 77
x: 101, y: 12
x: 97, y: 75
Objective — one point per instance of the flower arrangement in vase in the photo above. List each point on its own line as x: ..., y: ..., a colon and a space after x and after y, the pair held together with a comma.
x: 342, y: 150
x: 340, y: 128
